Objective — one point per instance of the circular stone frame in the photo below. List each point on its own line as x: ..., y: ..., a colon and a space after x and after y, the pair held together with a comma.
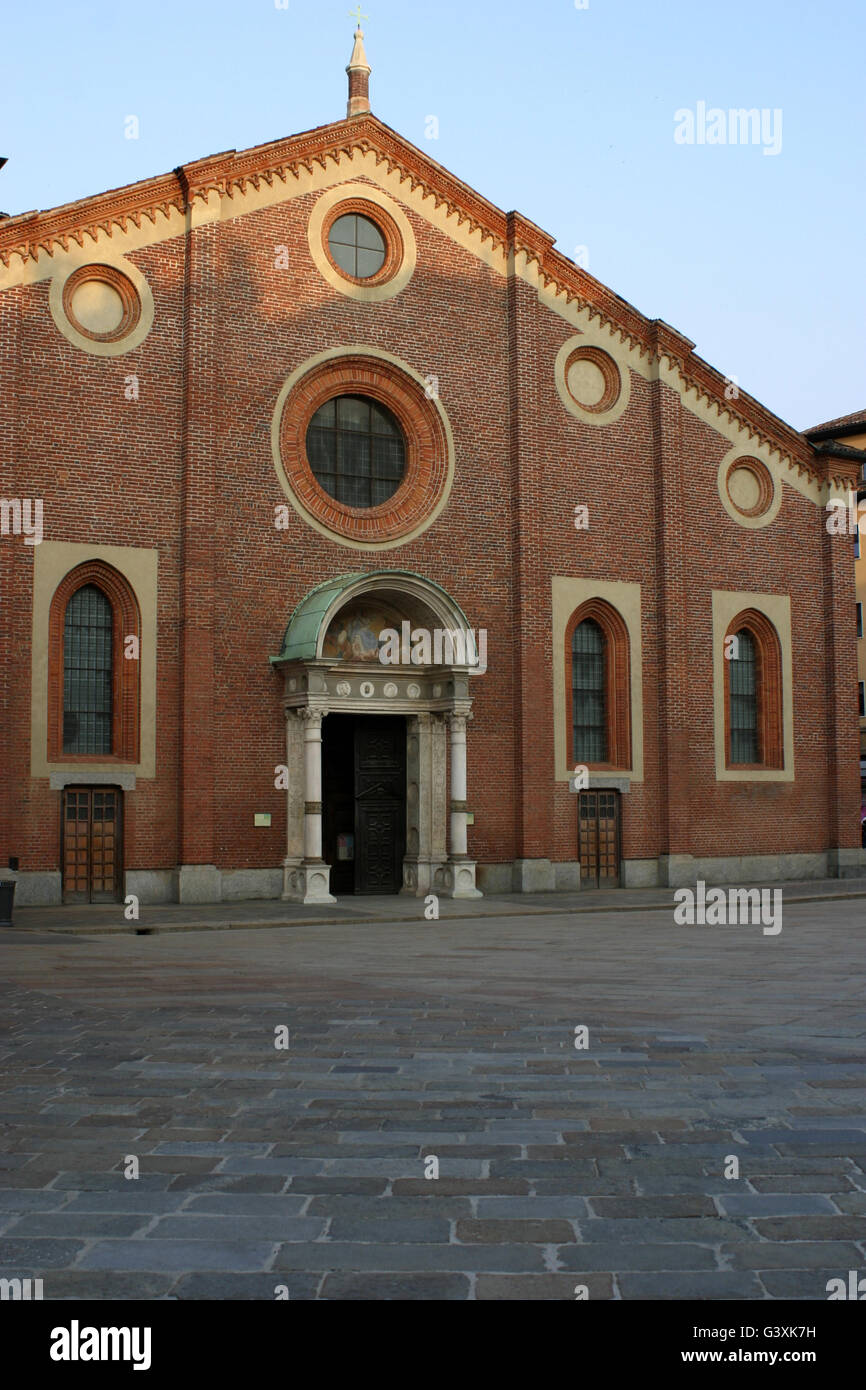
x: 755, y: 469
x: 769, y: 498
x: 610, y: 375
x: 384, y: 223
x: 428, y: 444
x: 616, y: 376
x: 400, y: 248
x: 103, y: 275
x: 126, y: 280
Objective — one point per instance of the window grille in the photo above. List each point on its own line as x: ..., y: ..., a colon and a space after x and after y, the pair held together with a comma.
x: 356, y: 451
x: 589, y: 715
x: 357, y: 246
x: 744, y: 701
x: 87, y: 672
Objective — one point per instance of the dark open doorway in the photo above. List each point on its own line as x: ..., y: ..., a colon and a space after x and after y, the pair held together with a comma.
x: 364, y: 802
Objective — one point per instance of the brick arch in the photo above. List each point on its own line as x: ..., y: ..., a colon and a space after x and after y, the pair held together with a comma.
x: 617, y: 681
x: 126, y: 622
x: 768, y: 658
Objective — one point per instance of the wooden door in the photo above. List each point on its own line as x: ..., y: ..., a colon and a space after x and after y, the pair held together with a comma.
x: 599, y: 839
x: 380, y: 803
x: 92, y: 842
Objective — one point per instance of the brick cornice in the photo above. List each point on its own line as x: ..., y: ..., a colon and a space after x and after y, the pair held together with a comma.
x: 511, y: 234
x: 32, y: 232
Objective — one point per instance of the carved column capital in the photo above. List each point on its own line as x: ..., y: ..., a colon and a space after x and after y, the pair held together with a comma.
x: 312, y: 718
x: 458, y: 718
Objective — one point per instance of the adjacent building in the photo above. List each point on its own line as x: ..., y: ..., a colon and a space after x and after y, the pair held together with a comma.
x: 849, y: 432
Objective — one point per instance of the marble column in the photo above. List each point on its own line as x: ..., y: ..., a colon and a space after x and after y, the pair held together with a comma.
x: 425, y: 850
x: 458, y: 840
x: 307, y: 880
x: 460, y: 872
x: 294, y: 799
x: 439, y: 790
x: 312, y: 785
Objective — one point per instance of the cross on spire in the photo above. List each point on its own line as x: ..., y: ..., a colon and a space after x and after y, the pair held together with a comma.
x: 356, y: 14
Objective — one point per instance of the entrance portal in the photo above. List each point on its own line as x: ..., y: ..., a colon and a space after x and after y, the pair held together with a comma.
x: 376, y: 786
x: 364, y: 802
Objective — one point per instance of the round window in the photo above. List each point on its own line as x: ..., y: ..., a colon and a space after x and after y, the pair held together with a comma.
x: 356, y: 450
x: 357, y: 246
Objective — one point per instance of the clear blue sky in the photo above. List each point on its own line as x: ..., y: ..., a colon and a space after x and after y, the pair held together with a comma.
x: 566, y: 114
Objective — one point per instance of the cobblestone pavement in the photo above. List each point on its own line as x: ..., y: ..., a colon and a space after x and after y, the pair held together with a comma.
x: 109, y: 918
x: 558, y: 1167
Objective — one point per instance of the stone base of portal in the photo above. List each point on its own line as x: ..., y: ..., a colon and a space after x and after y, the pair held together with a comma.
x: 456, y: 879
x: 307, y: 881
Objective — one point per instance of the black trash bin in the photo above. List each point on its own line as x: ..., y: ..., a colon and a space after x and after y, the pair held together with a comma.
x: 7, y: 896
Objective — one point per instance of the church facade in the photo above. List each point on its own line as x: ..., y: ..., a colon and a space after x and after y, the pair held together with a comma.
x: 354, y: 540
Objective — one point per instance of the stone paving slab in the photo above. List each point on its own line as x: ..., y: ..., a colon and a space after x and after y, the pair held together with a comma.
x: 307, y: 1172
x: 87, y: 1284
x: 420, y: 1287
x: 719, y: 1285
x: 159, y: 1255
x: 542, y: 1287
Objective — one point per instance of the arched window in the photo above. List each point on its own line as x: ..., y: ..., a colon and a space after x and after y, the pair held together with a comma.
x: 87, y: 672
x: 588, y: 714
x: 753, y: 694
x: 597, y: 660
x: 744, y: 700
x: 93, y: 667
x: 356, y: 451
